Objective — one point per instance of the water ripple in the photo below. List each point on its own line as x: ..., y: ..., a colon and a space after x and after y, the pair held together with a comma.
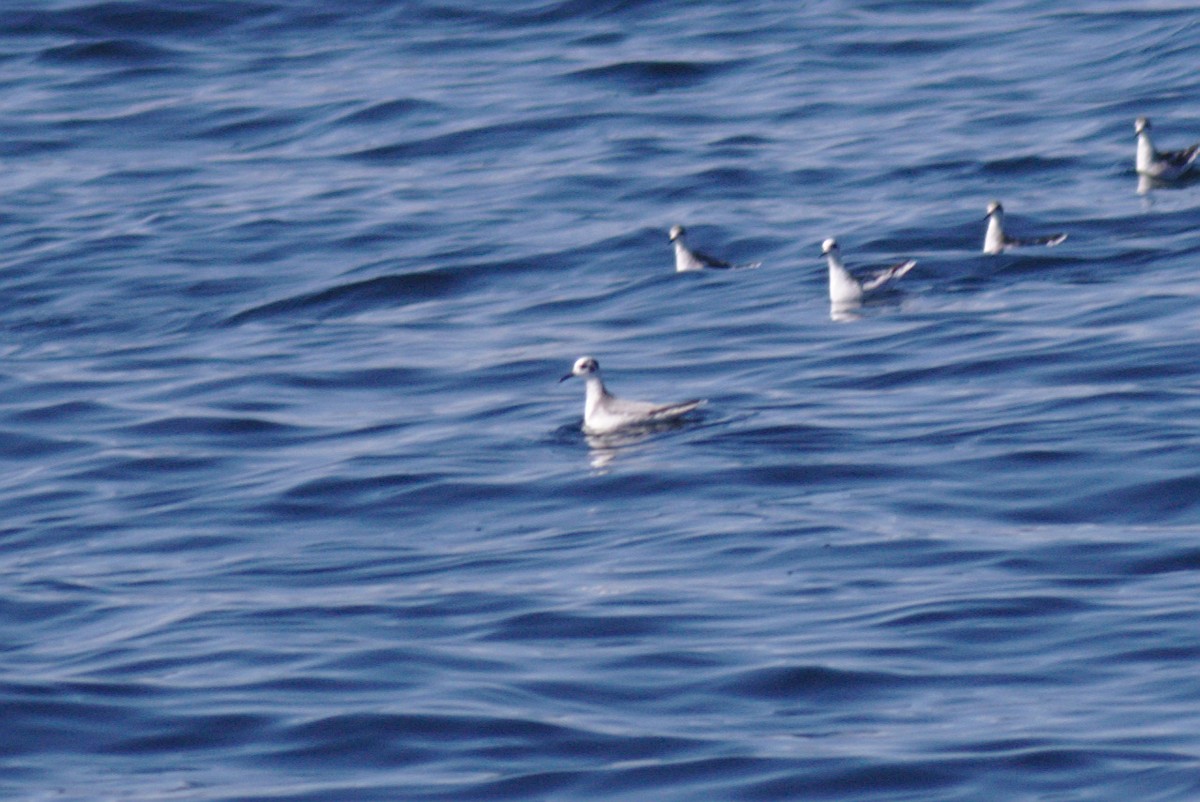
x: 294, y: 501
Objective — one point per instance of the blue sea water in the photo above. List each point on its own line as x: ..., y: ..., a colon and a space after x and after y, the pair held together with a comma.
x: 293, y: 508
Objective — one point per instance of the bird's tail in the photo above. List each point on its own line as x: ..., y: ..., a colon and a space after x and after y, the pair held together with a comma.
x: 1049, y: 241
x: 889, y: 274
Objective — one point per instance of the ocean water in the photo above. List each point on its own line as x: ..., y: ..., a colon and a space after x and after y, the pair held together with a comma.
x: 293, y: 507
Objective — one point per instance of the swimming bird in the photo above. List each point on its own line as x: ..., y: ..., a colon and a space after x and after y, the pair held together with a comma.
x: 1165, y: 165
x: 603, y: 412
x: 996, y: 241
x: 687, y: 260
x: 844, y: 288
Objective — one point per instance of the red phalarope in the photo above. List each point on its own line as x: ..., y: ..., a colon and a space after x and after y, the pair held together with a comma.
x: 603, y: 412
x: 844, y: 288
x: 996, y: 241
x: 687, y: 260
x: 1164, y: 165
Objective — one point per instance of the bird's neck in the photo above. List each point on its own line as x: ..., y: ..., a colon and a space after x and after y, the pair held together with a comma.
x: 843, y: 287
x: 1145, y: 151
x: 837, y: 270
x: 595, y: 393
x: 993, y: 241
x: 835, y: 264
x: 684, y: 260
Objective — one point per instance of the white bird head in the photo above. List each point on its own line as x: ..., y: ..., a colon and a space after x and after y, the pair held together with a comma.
x: 677, y: 232
x: 829, y: 246
x: 995, y: 208
x: 584, y: 366
x: 1141, y: 124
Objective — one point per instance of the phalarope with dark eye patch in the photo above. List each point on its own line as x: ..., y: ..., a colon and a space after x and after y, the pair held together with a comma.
x: 844, y: 288
x: 1163, y: 165
x: 603, y: 412
x: 996, y: 241
x: 687, y: 260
